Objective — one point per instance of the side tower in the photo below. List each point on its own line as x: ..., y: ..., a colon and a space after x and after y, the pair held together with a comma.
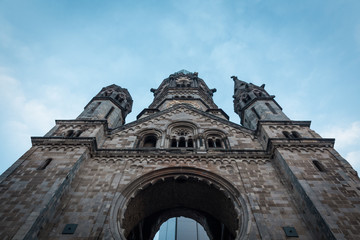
x: 253, y: 103
x: 47, y: 170
x: 323, y: 185
x: 112, y: 103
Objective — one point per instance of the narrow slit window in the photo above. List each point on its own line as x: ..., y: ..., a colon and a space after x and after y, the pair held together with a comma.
x: 319, y: 166
x: 271, y: 108
x: 96, y: 105
x: 190, y: 143
x: 256, y: 113
x: 44, y: 164
x: 173, y: 143
x: 211, y: 143
x: 218, y: 143
x: 182, y: 142
x: 109, y: 113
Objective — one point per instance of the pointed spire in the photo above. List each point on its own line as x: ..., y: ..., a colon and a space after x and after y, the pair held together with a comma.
x: 253, y: 103
x: 239, y: 84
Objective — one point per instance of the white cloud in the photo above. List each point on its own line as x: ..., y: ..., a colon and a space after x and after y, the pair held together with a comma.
x: 27, y: 114
x: 354, y: 159
x: 33, y: 115
x: 345, y: 136
x: 347, y: 141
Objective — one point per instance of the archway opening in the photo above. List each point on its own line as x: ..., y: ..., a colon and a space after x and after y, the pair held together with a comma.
x: 175, y: 196
x: 181, y: 228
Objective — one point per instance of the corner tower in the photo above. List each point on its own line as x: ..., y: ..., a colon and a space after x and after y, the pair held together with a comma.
x: 252, y: 103
x: 112, y: 103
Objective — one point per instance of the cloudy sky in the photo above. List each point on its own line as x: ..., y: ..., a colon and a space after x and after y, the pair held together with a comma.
x: 56, y: 55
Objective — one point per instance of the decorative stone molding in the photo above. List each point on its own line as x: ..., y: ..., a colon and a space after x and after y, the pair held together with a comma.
x: 181, y: 160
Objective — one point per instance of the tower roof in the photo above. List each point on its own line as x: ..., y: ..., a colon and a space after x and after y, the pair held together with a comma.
x: 183, y: 86
x: 184, y: 71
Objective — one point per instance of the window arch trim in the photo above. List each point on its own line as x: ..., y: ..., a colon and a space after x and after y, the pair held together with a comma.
x: 182, y: 135
x: 216, y: 139
x: 149, y: 138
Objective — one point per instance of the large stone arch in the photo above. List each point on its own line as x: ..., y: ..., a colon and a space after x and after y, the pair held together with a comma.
x: 153, y: 198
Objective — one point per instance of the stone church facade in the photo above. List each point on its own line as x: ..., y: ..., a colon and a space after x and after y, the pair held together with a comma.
x: 96, y: 177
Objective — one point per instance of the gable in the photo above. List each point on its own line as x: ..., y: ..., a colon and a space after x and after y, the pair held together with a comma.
x: 201, y: 125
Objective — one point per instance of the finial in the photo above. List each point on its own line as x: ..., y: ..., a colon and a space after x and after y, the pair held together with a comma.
x: 234, y: 78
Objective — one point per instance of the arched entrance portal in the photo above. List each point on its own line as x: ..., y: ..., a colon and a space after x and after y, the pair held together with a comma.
x: 194, y: 193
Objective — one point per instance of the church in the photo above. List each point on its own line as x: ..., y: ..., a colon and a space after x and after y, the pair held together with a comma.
x: 181, y: 165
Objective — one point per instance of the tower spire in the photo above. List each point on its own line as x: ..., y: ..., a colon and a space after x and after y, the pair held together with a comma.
x: 252, y: 103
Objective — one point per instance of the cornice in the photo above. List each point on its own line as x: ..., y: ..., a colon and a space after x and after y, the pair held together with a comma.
x: 274, y: 143
x: 282, y: 122
x: 82, y: 121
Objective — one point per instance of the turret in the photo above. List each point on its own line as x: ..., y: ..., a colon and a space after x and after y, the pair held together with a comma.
x: 112, y: 103
x: 252, y: 103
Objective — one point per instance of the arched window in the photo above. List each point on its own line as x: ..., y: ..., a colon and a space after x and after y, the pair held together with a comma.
x: 186, y: 228
x: 287, y: 134
x: 150, y: 141
x: 181, y: 135
x: 77, y: 133
x: 69, y: 133
x: 296, y: 134
x: 107, y: 93
x: 148, y: 138
x: 215, y: 139
x: 119, y: 97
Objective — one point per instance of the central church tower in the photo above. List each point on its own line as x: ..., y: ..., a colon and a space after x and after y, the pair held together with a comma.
x: 183, y: 87
x: 99, y: 177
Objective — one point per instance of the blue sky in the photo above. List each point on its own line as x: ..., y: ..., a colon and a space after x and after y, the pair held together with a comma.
x: 56, y: 55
